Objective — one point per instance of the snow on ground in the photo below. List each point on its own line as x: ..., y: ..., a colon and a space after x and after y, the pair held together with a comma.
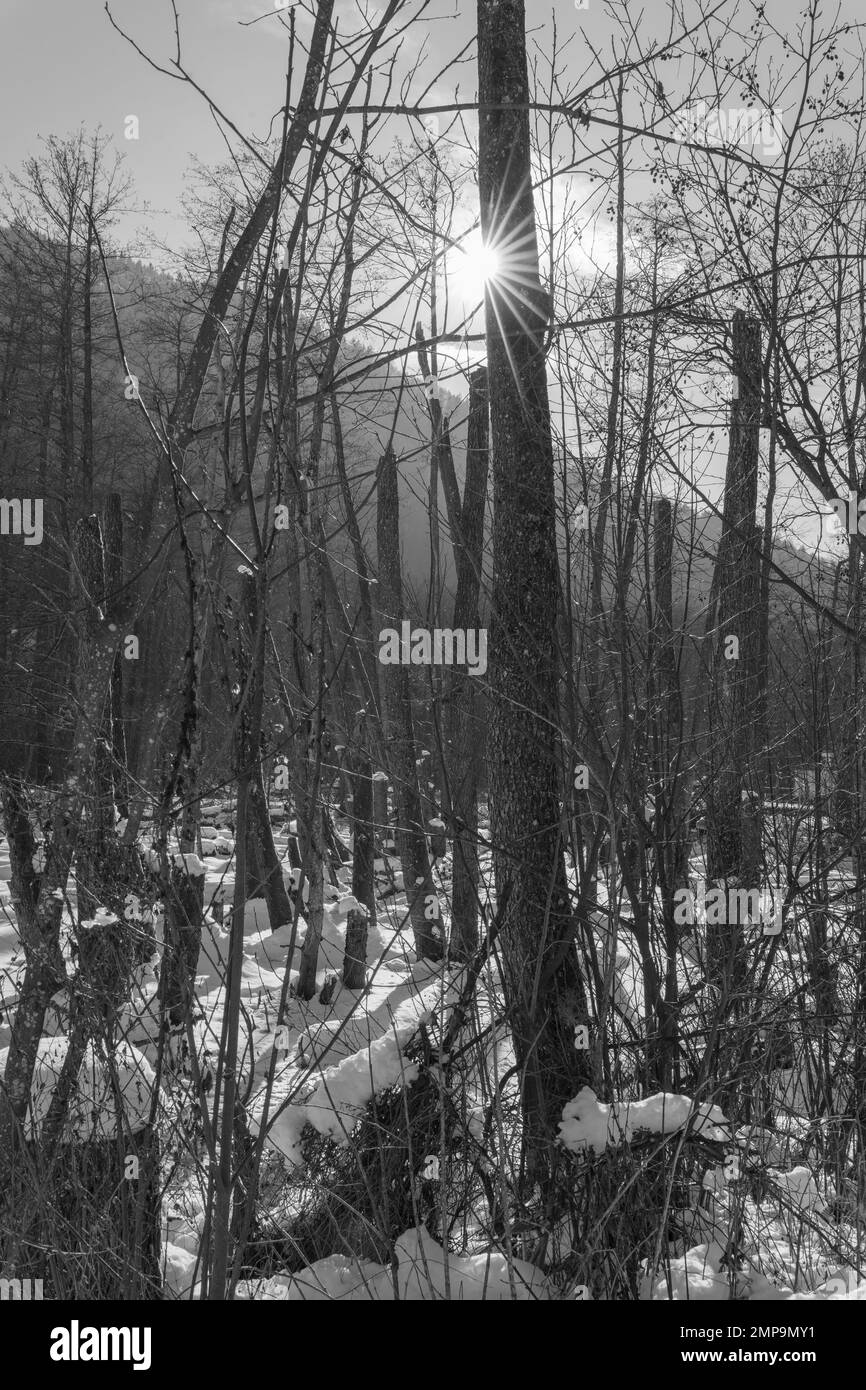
x: 335, y: 1095
x: 424, y: 1273
x: 337, y: 1054
x: 179, y: 1269
x: 331, y: 1058
x: 786, y: 1244
x: 702, y: 1274
x: 390, y: 956
x: 93, y: 1109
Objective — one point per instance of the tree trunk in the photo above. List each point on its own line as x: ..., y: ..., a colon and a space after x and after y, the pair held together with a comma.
x: 87, y: 382
x: 669, y: 778
x: 544, y: 985
x: 315, y: 858
x: 184, y: 907
x: 463, y: 724
x: 381, y: 822
x: 355, y: 956
x: 732, y: 813
x: 266, y: 878
x: 410, y: 834
x: 734, y: 678
x: 363, y: 844
x: 669, y: 783
x: 263, y: 868
x: 113, y: 534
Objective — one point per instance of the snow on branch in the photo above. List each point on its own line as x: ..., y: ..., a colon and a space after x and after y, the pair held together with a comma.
x: 587, y: 1123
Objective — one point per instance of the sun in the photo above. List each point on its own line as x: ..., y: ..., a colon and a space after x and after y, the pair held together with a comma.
x: 476, y: 266
x: 483, y: 263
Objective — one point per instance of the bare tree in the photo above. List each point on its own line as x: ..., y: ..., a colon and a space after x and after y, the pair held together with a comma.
x: 543, y: 983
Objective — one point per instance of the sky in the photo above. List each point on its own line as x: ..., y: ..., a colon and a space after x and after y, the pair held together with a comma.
x: 63, y: 65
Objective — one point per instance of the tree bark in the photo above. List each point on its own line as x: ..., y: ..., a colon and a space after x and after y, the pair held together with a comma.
x: 113, y: 534
x: 355, y: 957
x: 463, y: 725
x: 410, y: 834
x: 543, y: 981
x: 734, y: 680
x: 263, y: 867
x: 363, y: 843
x: 733, y: 817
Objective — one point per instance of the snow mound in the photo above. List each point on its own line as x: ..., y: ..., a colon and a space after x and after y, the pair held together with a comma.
x: 338, y: 1099
x: 701, y: 1275
x: 335, y: 1277
x: 92, y: 1109
x: 588, y: 1123
x: 337, y: 1102
x: 694, y: 1276
x: 178, y: 1272
x: 354, y: 1081
x: 420, y: 1277
x: 476, y: 1278
x: 191, y: 863
x: 798, y: 1189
